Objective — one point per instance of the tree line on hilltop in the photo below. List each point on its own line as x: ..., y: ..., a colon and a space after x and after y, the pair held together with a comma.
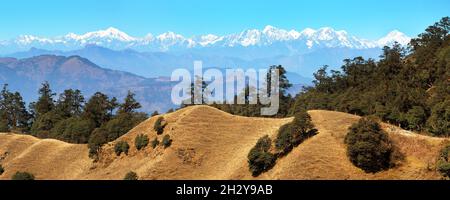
x: 70, y: 117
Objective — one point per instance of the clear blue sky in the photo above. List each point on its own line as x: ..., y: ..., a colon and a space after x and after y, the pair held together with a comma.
x: 370, y: 19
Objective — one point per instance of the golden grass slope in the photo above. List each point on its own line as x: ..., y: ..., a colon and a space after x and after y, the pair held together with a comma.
x: 44, y: 158
x: 324, y: 155
x: 207, y: 144
x: 211, y: 144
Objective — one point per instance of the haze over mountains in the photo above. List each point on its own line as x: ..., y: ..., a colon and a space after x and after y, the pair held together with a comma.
x: 111, y: 61
x: 301, y: 52
x: 74, y: 72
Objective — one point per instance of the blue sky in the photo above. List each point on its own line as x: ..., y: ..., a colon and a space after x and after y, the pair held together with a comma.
x: 369, y: 19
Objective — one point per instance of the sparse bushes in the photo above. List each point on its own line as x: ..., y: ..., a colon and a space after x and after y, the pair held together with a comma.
x: 292, y: 134
x: 302, y: 127
x: 141, y: 141
x: 443, y: 164
x: 159, y: 125
x: 369, y: 147
x: 154, y: 114
x: 1, y: 170
x: 166, y: 141
x: 284, y: 140
x: 97, y: 139
x: 260, y: 159
x: 131, y: 176
x: 121, y: 147
x: 22, y: 176
x: 155, y: 143
x: 112, y: 130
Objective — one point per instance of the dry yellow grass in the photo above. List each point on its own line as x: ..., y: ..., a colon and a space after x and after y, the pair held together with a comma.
x: 210, y: 144
x: 46, y: 159
x: 324, y: 155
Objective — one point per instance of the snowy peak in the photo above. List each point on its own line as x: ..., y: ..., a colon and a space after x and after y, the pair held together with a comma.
x: 209, y: 39
x: 113, y: 38
x: 276, y: 34
x: 307, y: 32
x: 392, y: 37
x: 30, y: 39
x: 110, y: 33
x: 169, y: 36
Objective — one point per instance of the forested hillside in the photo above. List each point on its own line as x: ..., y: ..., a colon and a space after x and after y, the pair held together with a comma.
x: 409, y: 87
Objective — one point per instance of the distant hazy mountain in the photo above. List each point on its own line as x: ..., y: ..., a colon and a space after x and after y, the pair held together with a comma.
x: 74, y: 72
x: 134, y: 62
x: 26, y: 76
x: 152, y: 56
x: 154, y: 64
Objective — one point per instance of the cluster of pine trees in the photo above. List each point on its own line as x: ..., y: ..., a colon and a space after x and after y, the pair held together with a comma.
x: 254, y: 110
x: 13, y: 113
x: 409, y: 86
x: 70, y: 118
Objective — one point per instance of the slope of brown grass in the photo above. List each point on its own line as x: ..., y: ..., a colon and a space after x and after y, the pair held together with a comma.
x: 45, y: 159
x: 211, y: 144
x: 207, y: 144
x: 324, y: 155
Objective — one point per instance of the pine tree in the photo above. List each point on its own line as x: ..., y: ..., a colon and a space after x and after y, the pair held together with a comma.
x: 99, y: 108
x: 130, y: 105
x: 14, y: 115
x: 70, y: 103
x: 45, y: 102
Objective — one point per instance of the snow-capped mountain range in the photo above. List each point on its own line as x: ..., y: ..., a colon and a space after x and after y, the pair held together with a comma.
x: 101, y: 58
x: 115, y: 39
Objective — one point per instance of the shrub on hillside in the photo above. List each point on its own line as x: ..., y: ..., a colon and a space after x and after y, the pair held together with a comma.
x: 141, y: 141
x: 369, y: 147
x: 22, y: 176
x: 131, y: 176
x: 159, y: 125
x: 166, y: 141
x: 284, y: 140
x: 155, y: 143
x: 1, y: 170
x: 121, y: 147
x: 443, y: 165
x: 97, y: 139
x: 154, y: 114
x: 260, y: 159
x: 302, y: 127
x: 292, y: 134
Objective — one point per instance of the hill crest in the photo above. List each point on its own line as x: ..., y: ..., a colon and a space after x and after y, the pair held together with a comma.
x: 211, y: 144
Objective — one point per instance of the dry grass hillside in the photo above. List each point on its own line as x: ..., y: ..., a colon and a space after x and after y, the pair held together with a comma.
x: 46, y: 159
x: 211, y: 144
